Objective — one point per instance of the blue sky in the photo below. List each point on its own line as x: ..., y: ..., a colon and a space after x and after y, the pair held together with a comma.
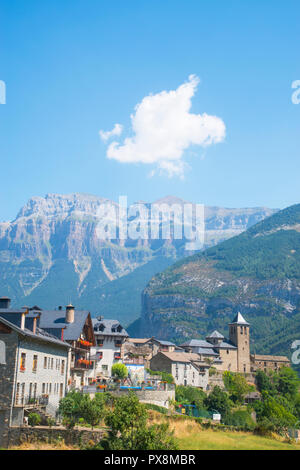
x: 74, y: 67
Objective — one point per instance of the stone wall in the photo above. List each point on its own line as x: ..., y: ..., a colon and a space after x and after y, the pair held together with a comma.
x: 15, y: 436
x: 9, y: 340
x: 154, y: 397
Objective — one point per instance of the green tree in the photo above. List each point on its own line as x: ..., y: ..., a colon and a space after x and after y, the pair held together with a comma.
x: 237, y: 386
x: 264, y: 382
x: 218, y: 400
x: 287, y: 382
x: 129, y: 429
x: 190, y: 395
x: 273, y: 416
x: 91, y: 411
x: 119, y: 370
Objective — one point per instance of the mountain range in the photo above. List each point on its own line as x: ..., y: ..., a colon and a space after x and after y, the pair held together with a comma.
x: 51, y: 254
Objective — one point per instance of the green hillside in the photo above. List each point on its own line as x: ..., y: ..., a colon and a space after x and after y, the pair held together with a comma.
x: 257, y: 272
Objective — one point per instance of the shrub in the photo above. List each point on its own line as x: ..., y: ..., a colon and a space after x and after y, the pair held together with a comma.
x: 34, y: 419
x: 129, y: 429
x: 241, y: 419
x: 51, y: 422
x: 218, y: 400
x: 119, y: 370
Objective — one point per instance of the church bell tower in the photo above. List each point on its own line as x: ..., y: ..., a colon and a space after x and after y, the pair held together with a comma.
x: 239, y: 335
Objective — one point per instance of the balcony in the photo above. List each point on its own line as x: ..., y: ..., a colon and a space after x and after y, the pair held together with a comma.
x: 117, y: 355
x: 83, y: 364
x: 83, y: 344
x: 31, y: 401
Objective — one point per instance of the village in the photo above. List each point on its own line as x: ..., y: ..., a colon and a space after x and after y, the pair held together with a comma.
x: 44, y: 354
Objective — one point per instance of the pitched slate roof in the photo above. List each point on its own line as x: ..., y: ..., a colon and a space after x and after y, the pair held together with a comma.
x: 105, y: 327
x: 164, y: 343
x: 39, y: 335
x: 215, y: 334
x: 239, y: 320
x: 260, y: 357
x: 56, y: 319
x: 200, y: 343
x: 206, y: 351
x: 225, y: 345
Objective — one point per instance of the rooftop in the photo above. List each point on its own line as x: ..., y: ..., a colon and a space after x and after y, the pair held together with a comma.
x: 108, y: 327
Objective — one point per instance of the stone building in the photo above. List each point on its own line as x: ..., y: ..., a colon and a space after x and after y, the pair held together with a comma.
x: 141, y: 350
x: 265, y: 363
x: 74, y: 327
x: 186, y: 368
x: 233, y: 354
x: 33, y: 369
x: 108, y: 349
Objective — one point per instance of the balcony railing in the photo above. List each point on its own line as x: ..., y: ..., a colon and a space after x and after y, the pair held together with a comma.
x: 83, y: 364
x: 82, y: 344
x: 31, y: 401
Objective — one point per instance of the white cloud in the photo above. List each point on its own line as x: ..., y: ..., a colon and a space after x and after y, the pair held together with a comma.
x: 163, y: 128
x: 117, y: 130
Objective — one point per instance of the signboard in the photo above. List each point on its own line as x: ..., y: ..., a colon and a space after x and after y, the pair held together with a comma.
x: 136, y: 372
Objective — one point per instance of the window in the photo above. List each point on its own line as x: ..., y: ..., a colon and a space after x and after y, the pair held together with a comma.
x: 61, y: 390
x: 34, y: 364
x: 2, y: 353
x: 23, y: 362
x: 50, y: 388
x: 52, y: 360
x: 17, y: 393
x: 22, y: 393
x: 104, y: 367
x: 45, y: 362
x: 62, y: 367
x: 43, y: 388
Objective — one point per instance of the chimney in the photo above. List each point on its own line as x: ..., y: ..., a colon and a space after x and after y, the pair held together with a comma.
x: 70, y: 313
x: 23, y: 319
x: 4, y: 302
x: 34, y: 325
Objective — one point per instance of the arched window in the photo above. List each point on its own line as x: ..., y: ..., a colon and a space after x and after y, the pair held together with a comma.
x: 2, y: 353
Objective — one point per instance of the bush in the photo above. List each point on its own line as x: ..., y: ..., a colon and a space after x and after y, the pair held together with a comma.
x: 158, y: 408
x: 129, y: 429
x: 190, y: 395
x: 165, y: 376
x: 51, y: 422
x: 34, y: 419
x: 241, y: 419
x: 119, y: 370
x: 218, y: 400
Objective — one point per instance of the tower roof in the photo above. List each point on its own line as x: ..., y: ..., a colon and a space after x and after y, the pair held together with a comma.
x: 215, y: 334
x: 239, y: 320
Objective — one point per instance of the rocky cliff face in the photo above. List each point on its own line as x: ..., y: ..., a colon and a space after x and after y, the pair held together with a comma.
x: 52, y: 253
x: 256, y: 273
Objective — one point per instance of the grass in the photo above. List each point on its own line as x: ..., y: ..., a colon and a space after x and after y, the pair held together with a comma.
x: 39, y: 445
x: 191, y: 436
